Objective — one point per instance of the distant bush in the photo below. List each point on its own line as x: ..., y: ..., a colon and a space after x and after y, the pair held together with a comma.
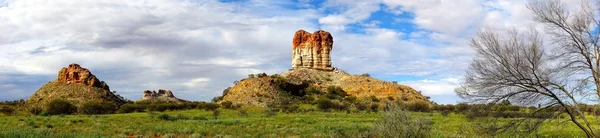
x: 374, y: 107
x: 324, y: 104
x: 227, y: 104
x: 159, y: 107
x: 60, y: 107
x: 6, y: 110
x: 419, y: 106
x: 462, y: 107
x: 207, y: 106
x: 374, y: 98
x: 351, y: 99
x: 361, y: 106
x: 336, y: 90
x: 366, y: 74
x: 130, y: 108
x: 35, y: 110
x: 216, y: 113
x: 398, y: 123
x: 243, y: 113
x: 92, y: 108
x: 261, y: 75
x: 341, y: 106
x: 312, y: 90
x: 446, y: 113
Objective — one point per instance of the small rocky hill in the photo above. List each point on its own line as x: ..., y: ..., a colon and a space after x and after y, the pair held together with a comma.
x: 162, y: 96
x: 312, y: 68
x: 77, y: 85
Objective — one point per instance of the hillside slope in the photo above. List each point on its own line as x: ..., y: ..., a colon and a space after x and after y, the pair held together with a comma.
x: 291, y: 86
x: 76, y: 85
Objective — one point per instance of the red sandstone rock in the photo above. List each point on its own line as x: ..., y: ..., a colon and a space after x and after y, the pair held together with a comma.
x: 77, y: 74
x: 312, y: 50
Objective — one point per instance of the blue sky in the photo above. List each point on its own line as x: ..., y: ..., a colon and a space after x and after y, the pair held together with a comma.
x: 198, y: 48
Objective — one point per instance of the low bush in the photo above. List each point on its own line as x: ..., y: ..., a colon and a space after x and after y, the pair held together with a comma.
x: 461, y: 107
x: 6, y: 110
x: 243, y: 113
x: 324, y: 104
x: 35, y: 110
x: 374, y: 107
x: 341, y: 106
x: 207, y: 106
x: 361, y: 106
x: 159, y: 107
x: 227, y: 104
x: 445, y: 113
x: 374, y: 98
x: 312, y: 90
x: 60, y: 107
x: 398, y: 123
x: 130, y: 108
x: 92, y: 108
x: 419, y: 106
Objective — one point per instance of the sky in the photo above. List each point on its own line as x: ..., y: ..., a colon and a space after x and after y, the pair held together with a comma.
x: 197, y: 48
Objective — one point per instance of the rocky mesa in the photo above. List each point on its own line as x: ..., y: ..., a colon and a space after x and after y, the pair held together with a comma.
x: 311, y: 71
x: 77, y: 85
x: 162, y: 96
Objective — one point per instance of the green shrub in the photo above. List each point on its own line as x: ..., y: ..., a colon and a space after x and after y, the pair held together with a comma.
x: 361, y: 106
x: 216, y: 113
x: 374, y: 98
x: 398, y: 123
x: 35, y: 110
x: 243, y: 113
x: 6, y: 110
x: 312, y: 90
x: 227, y: 104
x: 336, y: 90
x: 341, y: 106
x: 445, y: 113
x: 159, y: 107
x: 374, y: 107
x: 92, y: 108
x: 131, y: 107
x: 351, y: 99
x: 60, y: 107
x: 419, y: 106
x: 462, y: 107
x: 211, y: 106
x: 324, y: 104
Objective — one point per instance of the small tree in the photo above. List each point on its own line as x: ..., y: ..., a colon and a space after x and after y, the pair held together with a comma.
x: 517, y: 67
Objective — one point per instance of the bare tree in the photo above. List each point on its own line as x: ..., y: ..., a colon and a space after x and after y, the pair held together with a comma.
x: 517, y: 66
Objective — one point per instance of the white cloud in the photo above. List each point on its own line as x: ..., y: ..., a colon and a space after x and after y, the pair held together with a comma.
x: 434, y: 87
x: 197, y: 81
x: 198, y: 48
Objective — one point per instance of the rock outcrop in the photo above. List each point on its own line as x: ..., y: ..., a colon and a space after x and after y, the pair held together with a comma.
x: 76, y: 74
x: 312, y: 50
x: 76, y: 85
x: 160, y: 96
x: 312, y: 69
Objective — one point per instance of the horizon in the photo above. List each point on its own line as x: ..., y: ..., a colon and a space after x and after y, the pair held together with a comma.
x: 199, y: 48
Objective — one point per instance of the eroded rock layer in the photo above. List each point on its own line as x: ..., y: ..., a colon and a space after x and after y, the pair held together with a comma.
x: 312, y: 50
x: 160, y: 96
x: 76, y: 74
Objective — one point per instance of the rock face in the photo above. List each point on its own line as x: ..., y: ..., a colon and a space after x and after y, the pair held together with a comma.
x: 76, y: 85
x: 312, y: 50
x: 76, y: 74
x: 160, y: 96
